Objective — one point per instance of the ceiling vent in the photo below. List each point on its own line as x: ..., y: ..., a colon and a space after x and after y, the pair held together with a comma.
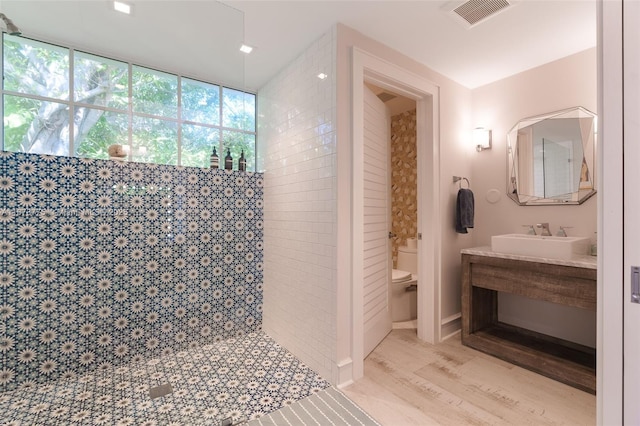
x: 475, y: 11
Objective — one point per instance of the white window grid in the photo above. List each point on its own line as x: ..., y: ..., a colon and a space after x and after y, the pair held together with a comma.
x: 72, y: 104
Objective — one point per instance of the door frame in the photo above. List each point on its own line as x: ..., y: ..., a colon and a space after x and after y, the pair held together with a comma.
x: 369, y: 68
x: 611, y: 302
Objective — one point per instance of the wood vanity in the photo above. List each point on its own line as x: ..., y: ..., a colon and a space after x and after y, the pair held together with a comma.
x: 570, y: 283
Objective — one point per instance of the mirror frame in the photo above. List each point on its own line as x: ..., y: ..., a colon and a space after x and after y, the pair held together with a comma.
x: 587, y: 186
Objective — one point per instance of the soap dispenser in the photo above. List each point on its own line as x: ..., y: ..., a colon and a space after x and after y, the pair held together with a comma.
x: 242, y: 162
x: 215, y: 161
x: 228, y: 160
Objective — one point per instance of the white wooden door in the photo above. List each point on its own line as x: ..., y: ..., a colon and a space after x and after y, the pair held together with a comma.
x: 631, y: 123
x: 376, y: 219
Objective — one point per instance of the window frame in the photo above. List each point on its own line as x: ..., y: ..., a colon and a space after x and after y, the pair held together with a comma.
x: 72, y: 104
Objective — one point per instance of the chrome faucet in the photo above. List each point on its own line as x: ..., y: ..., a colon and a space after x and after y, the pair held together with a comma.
x: 530, y: 229
x: 545, y: 229
x: 562, y: 232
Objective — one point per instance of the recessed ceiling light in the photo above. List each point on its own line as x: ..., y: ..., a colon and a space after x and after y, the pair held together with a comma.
x: 122, y: 7
x: 246, y: 48
x: 322, y: 76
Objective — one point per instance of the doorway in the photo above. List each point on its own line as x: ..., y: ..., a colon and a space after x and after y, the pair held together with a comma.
x: 370, y: 69
x: 403, y: 206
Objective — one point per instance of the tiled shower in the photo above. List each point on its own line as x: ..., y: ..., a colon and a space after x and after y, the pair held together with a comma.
x: 122, y: 276
x: 105, y: 262
x: 132, y: 292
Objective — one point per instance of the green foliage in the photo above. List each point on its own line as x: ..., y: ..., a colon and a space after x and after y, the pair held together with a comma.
x: 159, y: 138
x: 111, y: 128
x: 19, y: 113
x: 238, y: 142
x: 35, y: 68
x: 154, y: 92
x: 90, y: 73
x: 238, y: 110
x: 200, y: 102
x: 197, y: 145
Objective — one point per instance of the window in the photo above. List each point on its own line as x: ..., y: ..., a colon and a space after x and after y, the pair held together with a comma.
x: 59, y: 101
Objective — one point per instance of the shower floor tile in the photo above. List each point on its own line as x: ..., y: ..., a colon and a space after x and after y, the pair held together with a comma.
x: 243, y: 378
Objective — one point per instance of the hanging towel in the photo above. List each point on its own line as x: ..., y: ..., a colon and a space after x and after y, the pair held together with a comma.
x: 464, y: 210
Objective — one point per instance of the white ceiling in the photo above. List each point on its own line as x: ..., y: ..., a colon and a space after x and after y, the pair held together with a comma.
x: 200, y: 38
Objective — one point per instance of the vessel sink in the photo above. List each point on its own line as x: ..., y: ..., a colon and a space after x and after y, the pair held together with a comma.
x: 541, y: 246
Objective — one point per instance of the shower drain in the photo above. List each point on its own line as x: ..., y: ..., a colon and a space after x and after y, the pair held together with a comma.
x: 162, y: 390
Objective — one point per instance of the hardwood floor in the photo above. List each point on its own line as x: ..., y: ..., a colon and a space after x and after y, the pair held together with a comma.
x: 408, y: 382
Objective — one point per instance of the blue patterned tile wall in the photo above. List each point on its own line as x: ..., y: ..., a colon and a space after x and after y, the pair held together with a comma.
x: 106, y: 262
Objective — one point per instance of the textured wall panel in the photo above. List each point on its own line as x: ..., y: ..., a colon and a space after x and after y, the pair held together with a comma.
x: 404, y: 179
x: 105, y: 262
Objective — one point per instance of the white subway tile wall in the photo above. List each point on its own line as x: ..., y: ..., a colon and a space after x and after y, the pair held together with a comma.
x: 297, y: 138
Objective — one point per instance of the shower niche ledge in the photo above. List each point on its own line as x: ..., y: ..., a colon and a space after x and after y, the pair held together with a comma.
x: 485, y: 274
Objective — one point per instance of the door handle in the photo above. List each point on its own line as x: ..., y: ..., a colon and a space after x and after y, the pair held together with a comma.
x: 392, y: 235
x: 635, y: 284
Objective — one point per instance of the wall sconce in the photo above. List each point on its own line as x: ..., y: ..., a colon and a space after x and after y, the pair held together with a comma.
x: 481, y: 138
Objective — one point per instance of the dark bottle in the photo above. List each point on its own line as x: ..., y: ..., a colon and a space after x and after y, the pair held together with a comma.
x: 215, y: 161
x: 228, y: 161
x: 242, y: 162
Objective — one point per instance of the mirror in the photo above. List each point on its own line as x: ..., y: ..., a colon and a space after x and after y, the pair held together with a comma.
x: 551, y: 158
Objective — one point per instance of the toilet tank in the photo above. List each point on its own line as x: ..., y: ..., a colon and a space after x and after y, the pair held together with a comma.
x: 407, y: 259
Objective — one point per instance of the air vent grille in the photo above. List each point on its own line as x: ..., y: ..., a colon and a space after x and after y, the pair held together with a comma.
x: 475, y: 11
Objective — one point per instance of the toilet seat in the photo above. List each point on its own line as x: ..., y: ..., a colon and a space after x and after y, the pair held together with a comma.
x: 399, y: 276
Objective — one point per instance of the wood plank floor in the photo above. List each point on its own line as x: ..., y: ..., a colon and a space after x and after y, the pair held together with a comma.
x: 408, y: 382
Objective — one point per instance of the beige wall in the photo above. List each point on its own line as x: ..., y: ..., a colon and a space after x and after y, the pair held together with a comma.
x: 404, y: 180
x: 571, y: 81
x: 498, y: 106
x: 568, y: 82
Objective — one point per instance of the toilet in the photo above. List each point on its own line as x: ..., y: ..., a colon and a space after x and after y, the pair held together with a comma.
x: 404, y: 281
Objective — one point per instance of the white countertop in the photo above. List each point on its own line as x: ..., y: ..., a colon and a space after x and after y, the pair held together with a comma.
x: 585, y: 261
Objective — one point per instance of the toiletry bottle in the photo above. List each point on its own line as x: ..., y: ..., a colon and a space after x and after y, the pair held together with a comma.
x: 242, y: 162
x: 228, y: 160
x: 215, y: 161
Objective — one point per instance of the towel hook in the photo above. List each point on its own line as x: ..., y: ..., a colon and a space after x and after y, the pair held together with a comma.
x: 459, y: 179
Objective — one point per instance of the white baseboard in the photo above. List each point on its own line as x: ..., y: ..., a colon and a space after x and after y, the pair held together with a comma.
x: 344, y: 373
x: 450, y: 325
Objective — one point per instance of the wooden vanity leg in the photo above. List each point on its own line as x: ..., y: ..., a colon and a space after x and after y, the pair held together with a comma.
x: 479, y: 305
x: 466, y: 301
